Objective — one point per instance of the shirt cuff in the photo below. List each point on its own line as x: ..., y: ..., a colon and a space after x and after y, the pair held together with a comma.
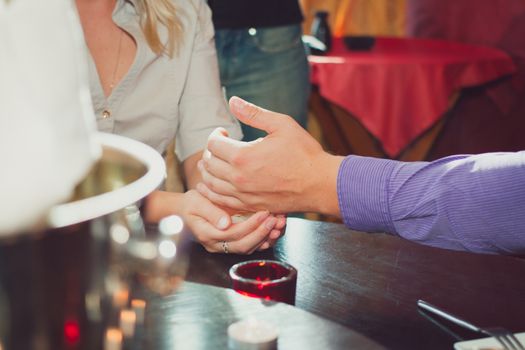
x: 362, y: 190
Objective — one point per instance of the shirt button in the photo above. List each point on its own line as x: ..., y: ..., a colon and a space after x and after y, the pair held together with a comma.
x: 252, y: 31
x: 106, y: 114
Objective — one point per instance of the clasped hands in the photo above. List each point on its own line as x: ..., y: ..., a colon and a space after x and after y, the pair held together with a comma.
x: 275, y: 174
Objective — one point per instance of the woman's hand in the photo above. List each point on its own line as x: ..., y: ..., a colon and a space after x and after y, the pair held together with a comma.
x: 212, y: 226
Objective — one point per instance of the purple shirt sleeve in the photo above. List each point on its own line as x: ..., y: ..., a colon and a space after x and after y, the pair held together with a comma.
x: 474, y: 203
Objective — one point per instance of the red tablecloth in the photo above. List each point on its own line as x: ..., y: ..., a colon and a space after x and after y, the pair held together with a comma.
x: 402, y: 86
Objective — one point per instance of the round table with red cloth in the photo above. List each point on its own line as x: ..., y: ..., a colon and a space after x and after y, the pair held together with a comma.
x: 402, y: 86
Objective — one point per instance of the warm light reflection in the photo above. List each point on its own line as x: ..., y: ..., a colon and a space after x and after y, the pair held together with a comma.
x: 120, y: 297
x: 119, y: 233
x: 256, y: 333
x: 171, y: 225
x: 92, y: 301
x: 113, y: 340
x: 297, y: 247
x: 143, y: 250
x: 71, y: 332
x: 128, y: 319
x: 139, y: 306
x: 321, y: 59
x: 167, y: 249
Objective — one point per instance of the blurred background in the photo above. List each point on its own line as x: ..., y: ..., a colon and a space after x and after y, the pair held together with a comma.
x: 482, y: 118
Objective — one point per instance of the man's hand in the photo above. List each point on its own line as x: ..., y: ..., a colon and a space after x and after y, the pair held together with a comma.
x: 283, y: 172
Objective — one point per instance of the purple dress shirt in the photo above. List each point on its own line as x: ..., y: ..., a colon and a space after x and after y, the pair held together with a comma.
x: 474, y: 203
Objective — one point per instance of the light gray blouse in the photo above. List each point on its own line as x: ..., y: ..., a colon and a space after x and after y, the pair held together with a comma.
x: 160, y: 97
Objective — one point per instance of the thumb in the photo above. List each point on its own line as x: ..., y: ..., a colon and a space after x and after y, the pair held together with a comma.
x: 256, y: 116
x: 210, y: 212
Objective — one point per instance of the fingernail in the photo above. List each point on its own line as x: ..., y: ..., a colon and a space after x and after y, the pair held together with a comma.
x: 223, y: 223
x: 270, y: 223
x: 200, y: 165
x: 238, y: 103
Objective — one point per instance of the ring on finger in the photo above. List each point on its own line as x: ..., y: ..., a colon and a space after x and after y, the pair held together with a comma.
x: 225, y: 247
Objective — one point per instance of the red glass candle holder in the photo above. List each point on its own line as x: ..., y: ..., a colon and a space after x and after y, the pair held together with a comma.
x: 266, y: 279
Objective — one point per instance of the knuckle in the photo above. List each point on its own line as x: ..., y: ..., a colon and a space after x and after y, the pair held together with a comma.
x: 238, y: 159
x: 212, y: 196
x: 253, y: 111
x: 238, y: 179
x: 227, y: 203
x: 212, y: 184
x: 216, y: 199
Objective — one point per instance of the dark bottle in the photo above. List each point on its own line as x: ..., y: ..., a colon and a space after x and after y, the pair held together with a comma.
x: 321, y: 29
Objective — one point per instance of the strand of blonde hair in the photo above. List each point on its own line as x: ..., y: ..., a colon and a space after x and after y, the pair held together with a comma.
x: 154, y: 13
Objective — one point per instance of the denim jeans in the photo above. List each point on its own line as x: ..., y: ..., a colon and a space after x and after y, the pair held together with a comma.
x: 265, y: 66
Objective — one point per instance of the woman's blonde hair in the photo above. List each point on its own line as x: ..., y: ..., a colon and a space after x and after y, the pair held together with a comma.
x: 160, y: 12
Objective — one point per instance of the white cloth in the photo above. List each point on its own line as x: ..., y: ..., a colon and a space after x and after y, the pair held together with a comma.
x: 46, y: 116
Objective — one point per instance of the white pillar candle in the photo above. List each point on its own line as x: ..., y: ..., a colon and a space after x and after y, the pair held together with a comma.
x: 127, y: 322
x: 139, y: 306
x: 252, y: 334
x: 113, y: 339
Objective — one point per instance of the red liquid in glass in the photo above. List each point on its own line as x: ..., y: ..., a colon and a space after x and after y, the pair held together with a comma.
x: 265, y: 279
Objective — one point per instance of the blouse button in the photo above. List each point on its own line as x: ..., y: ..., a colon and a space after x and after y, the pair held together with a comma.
x: 106, y: 114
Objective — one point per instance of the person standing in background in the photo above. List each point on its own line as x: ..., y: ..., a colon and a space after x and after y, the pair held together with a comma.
x: 261, y: 55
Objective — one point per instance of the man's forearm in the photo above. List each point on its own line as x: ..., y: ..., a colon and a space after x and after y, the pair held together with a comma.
x: 474, y: 203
